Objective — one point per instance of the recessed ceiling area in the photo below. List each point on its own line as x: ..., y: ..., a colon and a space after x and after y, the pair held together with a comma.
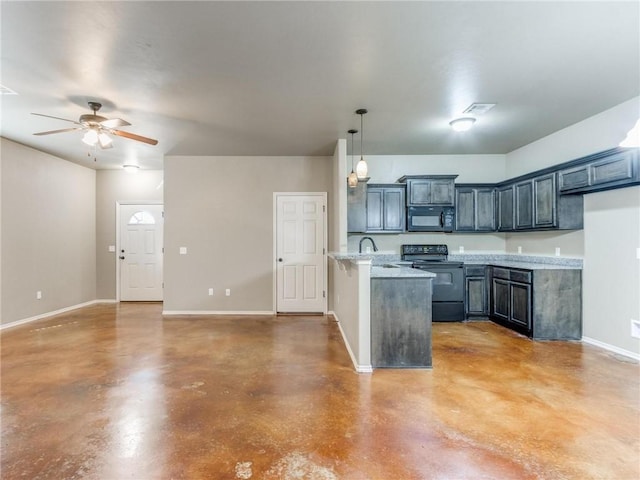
x: 285, y: 78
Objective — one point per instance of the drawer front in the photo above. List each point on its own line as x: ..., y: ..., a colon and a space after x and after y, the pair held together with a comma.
x: 501, y: 273
x: 474, y: 270
x: 520, y: 276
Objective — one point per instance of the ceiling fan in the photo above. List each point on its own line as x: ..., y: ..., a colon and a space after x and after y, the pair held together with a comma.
x: 97, y: 128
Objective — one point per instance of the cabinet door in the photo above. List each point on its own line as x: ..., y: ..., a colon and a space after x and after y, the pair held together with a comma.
x: 485, y: 210
x: 442, y: 192
x: 505, y: 209
x: 419, y: 191
x: 500, y: 299
x: 375, y: 201
x: 465, y: 209
x: 574, y: 178
x: 476, y: 296
x: 520, y: 294
x: 431, y: 191
x: 524, y: 204
x: 545, y: 197
x: 616, y: 168
x: 393, y: 216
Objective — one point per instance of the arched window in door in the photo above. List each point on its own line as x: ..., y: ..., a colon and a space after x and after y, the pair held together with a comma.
x: 142, y: 218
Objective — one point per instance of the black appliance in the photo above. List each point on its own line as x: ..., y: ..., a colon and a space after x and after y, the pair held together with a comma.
x: 448, y: 284
x: 430, y: 219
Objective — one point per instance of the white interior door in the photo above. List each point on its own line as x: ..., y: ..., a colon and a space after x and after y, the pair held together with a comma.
x: 140, y: 252
x: 300, y: 253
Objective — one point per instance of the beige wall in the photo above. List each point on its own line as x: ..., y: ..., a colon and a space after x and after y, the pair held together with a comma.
x: 221, y: 209
x: 469, y: 168
x: 595, y: 134
x: 611, y: 280
x: 48, y: 233
x: 114, y: 186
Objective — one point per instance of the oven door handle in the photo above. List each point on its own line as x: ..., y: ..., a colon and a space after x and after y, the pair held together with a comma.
x: 442, y: 219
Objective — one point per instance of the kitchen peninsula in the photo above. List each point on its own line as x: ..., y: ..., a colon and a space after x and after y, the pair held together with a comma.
x: 383, y: 311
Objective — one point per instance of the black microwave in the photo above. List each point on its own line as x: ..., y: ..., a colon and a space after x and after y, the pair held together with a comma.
x: 430, y: 219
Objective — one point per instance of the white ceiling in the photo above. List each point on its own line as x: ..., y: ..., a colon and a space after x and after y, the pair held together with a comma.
x: 284, y: 78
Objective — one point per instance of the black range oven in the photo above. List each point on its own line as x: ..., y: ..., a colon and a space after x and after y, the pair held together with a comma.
x: 448, y: 284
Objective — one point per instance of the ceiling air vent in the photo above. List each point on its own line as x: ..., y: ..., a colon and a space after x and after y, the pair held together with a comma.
x: 479, y: 108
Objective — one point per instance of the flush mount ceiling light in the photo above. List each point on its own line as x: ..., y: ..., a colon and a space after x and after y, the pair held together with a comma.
x: 361, y: 167
x: 352, y: 179
x: 131, y: 168
x: 462, y: 124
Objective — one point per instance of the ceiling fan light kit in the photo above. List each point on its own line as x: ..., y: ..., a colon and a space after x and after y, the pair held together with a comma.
x: 97, y: 128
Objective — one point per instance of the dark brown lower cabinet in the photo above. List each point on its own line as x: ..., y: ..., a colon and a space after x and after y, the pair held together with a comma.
x: 542, y: 304
x: 476, y: 300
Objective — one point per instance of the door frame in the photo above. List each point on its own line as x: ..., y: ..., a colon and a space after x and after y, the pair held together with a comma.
x: 117, y: 255
x: 325, y: 238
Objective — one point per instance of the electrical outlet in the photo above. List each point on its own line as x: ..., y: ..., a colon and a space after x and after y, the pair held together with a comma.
x: 557, y: 251
x: 38, y: 295
x: 461, y: 249
x: 635, y: 328
x: 227, y: 292
x: 519, y: 249
x: 211, y: 292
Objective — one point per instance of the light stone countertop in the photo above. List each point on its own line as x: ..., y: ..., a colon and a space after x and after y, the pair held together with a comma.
x: 381, y: 271
x: 507, y: 260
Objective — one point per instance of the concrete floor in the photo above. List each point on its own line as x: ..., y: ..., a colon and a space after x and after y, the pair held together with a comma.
x: 117, y: 392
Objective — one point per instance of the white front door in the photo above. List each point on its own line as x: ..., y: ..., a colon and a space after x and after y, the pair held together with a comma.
x: 140, y: 252
x: 300, y: 252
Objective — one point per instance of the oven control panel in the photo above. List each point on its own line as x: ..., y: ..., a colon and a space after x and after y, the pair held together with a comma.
x: 425, y: 250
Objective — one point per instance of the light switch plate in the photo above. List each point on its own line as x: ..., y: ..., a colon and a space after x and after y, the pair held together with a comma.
x: 112, y: 248
x: 183, y: 250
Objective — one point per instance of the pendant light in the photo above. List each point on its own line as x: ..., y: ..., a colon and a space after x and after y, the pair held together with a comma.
x: 361, y: 167
x: 352, y: 179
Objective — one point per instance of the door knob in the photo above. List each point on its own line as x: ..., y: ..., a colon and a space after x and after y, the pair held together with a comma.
x: 121, y: 257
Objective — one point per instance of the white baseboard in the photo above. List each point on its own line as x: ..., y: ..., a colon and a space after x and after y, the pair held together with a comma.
x: 24, y: 321
x: 359, y: 368
x: 611, y: 348
x: 217, y: 312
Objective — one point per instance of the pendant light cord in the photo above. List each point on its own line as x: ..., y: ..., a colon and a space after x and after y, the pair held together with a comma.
x: 361, y: 135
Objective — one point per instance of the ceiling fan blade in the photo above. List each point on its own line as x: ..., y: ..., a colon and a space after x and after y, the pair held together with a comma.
x: 114, y: 122
x: 57, y: 118
x: 58, y: 131
x: 133, y: 136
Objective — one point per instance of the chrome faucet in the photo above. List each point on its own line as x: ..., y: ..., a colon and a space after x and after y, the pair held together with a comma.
x: 375, y: 249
